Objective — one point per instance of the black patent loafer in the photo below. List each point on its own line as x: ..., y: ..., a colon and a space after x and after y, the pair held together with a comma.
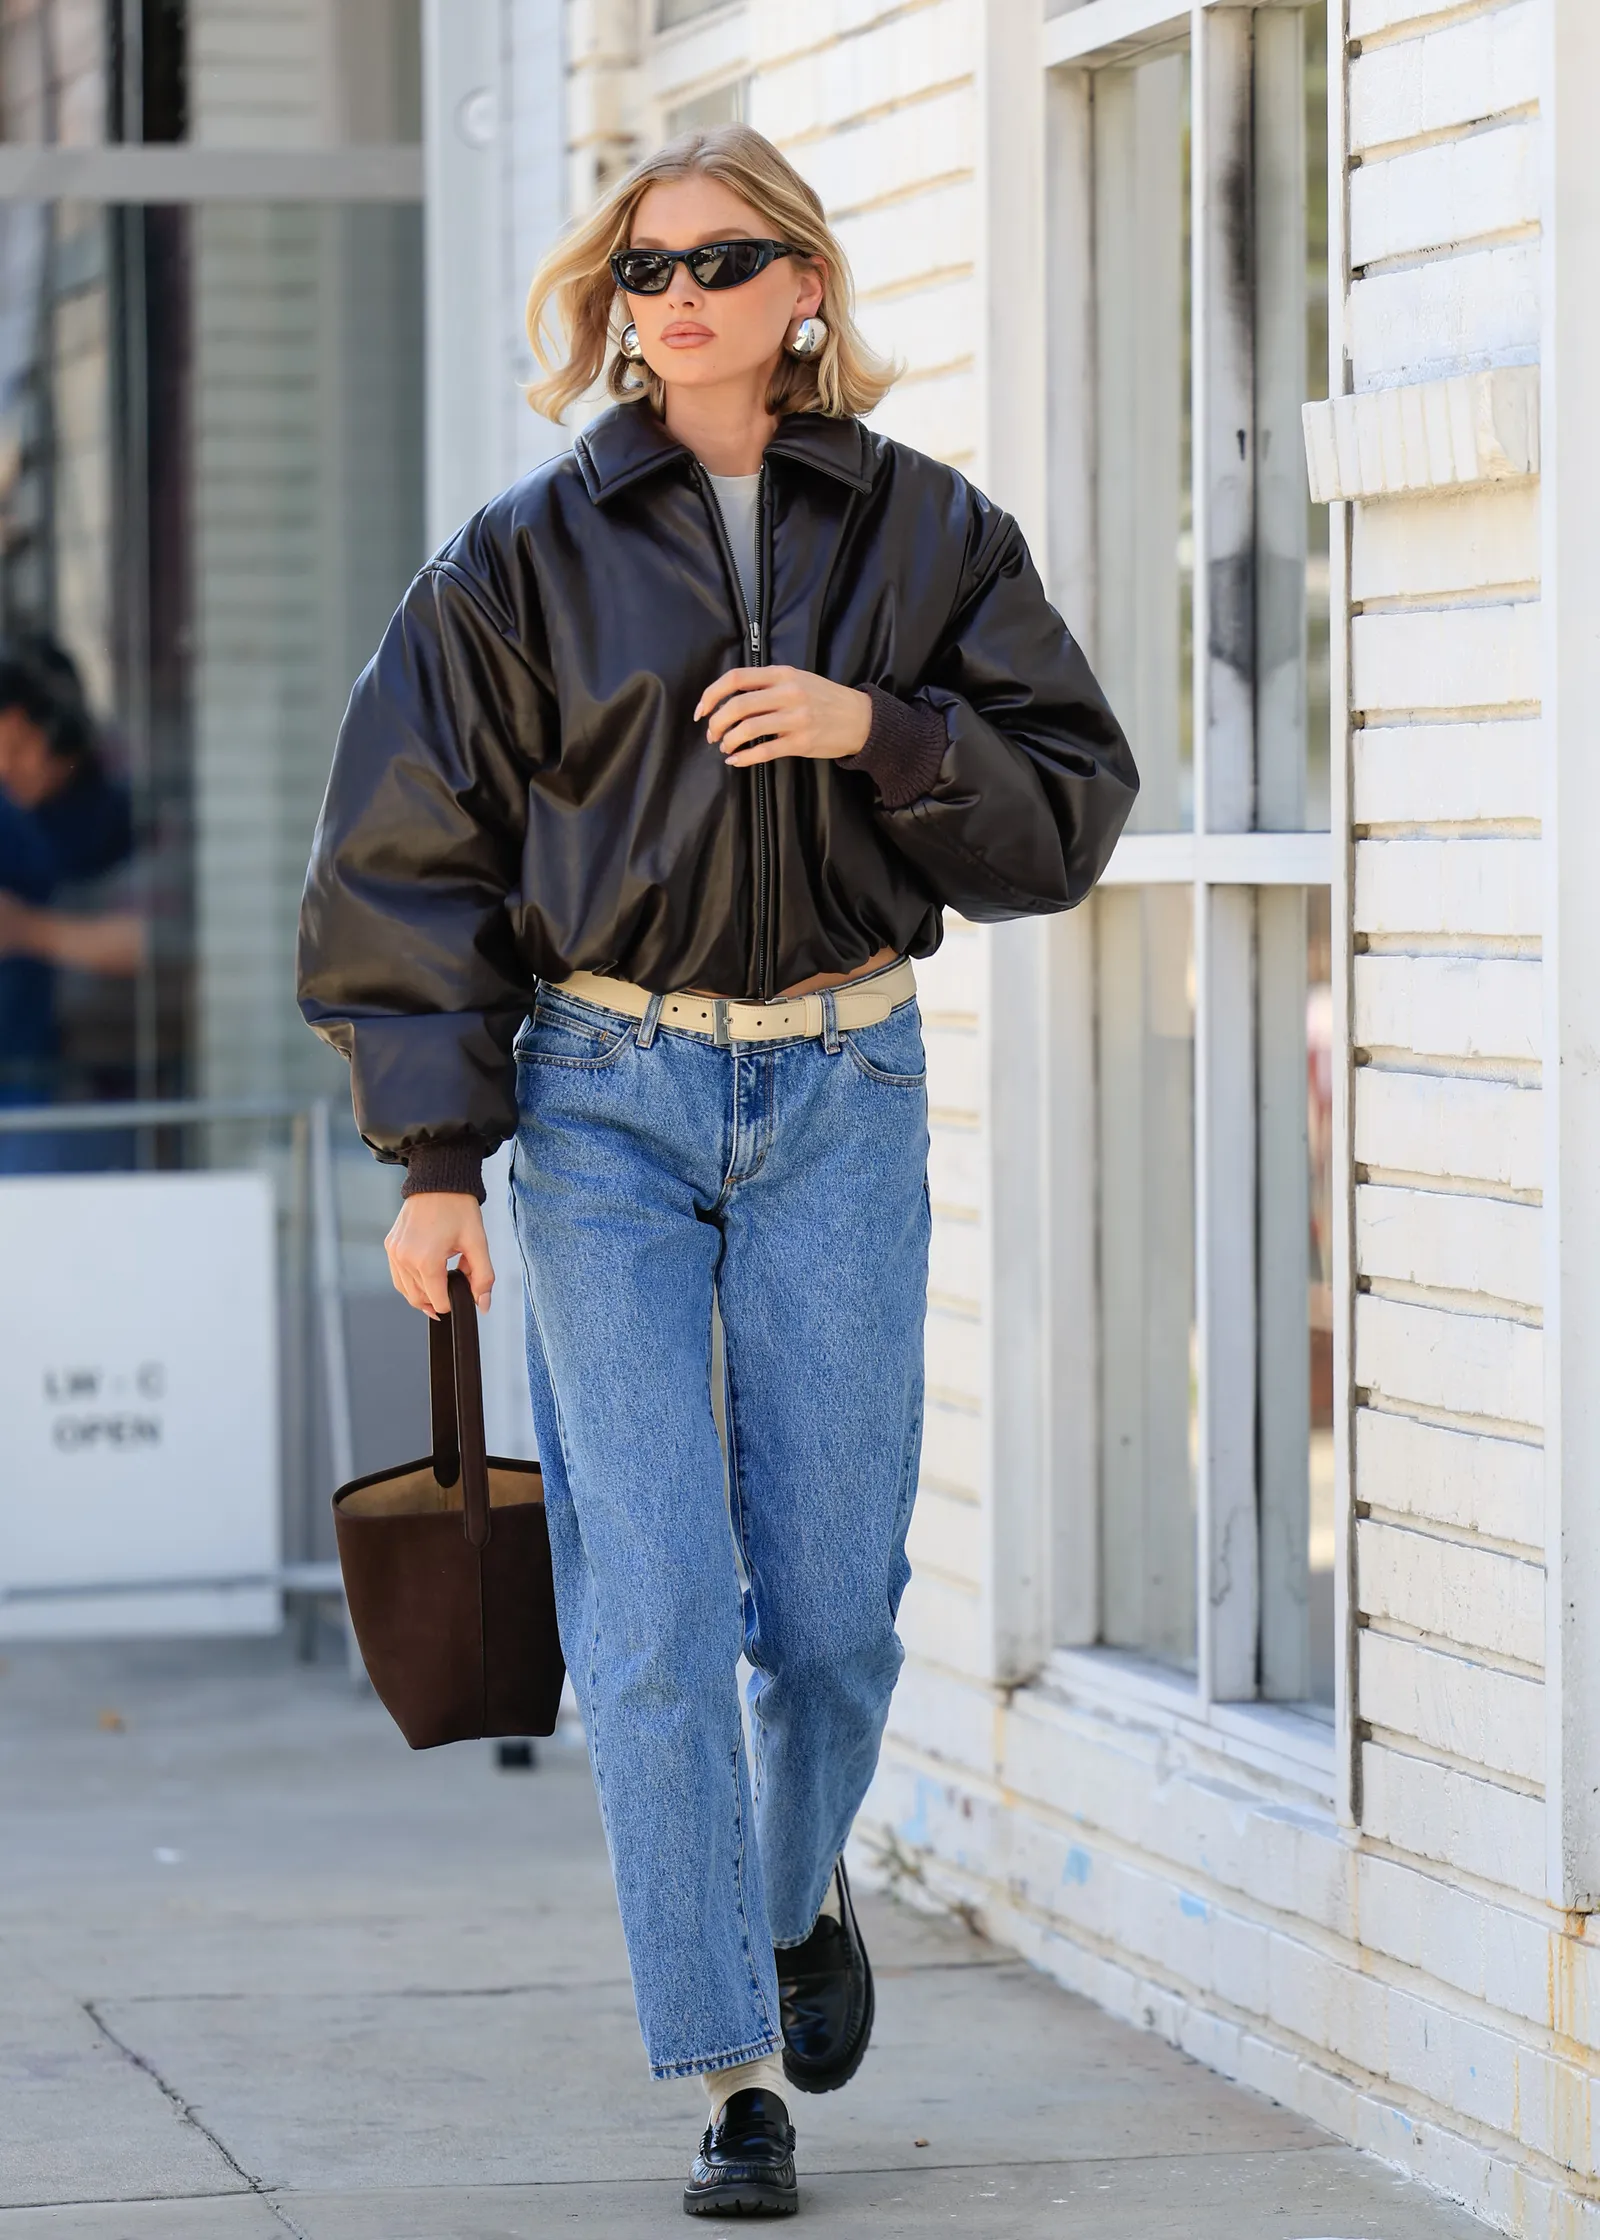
x: 745, y: 2167
x: 826, y: 1999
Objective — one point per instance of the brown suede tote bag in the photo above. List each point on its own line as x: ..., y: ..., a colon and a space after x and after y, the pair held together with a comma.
x: 447, y: 1568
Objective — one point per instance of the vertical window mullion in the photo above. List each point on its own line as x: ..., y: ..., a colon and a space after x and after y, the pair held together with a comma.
x: 1224, y: 687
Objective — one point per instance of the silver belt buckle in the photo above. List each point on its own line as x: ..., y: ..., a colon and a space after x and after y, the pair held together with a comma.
x: 719, y: 1023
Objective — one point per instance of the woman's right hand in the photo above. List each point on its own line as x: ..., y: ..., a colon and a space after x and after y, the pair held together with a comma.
x: 429, y: 1231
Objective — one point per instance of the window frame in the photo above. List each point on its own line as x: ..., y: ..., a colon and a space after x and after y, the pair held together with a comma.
x: 1224, y: 865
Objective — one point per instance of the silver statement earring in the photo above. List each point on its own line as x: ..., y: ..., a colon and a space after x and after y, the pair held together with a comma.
x: 628, y: 344
x: 808, y: 338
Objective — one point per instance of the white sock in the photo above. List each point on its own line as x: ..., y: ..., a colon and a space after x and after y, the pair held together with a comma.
x: 831, y: 1905
x: 765, y: 2075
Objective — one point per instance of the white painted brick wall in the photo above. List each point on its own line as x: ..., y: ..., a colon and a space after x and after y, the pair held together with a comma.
x: 1470, y: 542
x: 1457, y: 75
x: 1463, y: 887
x: 1463, y: 1479
x: 1445, y: 193
x: 1465, y: 1824
x: 1449, y: 1242
x: 1456, y: 1007
x: 1460, y: 1364
x: 1486, y: 1718
x: 1477, y: 1597
x: 1448, y: 773
x: 1446, y: 316
x: 1446, y: 658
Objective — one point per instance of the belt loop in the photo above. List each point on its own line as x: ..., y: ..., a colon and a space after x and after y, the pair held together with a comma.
x: 830, y: 1023
x: 648, y: 1024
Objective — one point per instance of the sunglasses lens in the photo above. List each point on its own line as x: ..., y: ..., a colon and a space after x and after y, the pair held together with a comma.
x: 727, y: 264
x: 642, y: 272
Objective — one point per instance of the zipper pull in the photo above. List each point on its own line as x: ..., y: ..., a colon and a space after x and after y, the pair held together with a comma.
x: 755, y: 640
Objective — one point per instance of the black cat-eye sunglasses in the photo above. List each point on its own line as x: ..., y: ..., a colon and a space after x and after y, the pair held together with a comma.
x: 720, y: 264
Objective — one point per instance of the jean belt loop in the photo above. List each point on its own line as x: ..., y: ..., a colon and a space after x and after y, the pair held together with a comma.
x: 830, y: 1023
x: 646, y: 1033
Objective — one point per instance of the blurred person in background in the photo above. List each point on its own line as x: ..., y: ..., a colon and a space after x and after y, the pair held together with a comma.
x: 664, y: 771
x: 65, y: 821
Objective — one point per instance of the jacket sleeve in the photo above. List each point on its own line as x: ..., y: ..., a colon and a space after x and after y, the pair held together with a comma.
x: 1036, y: 779
x: 407, y: 955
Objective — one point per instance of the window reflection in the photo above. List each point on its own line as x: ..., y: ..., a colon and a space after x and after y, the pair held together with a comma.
x: 1145, y: 1006
x: 211, y: 500
x: 1144, y: 639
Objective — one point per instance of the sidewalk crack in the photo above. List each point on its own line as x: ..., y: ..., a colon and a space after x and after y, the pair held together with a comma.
x: 187, y: 2111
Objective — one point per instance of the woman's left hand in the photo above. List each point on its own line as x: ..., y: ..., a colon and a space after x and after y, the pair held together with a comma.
x: 756, y: 715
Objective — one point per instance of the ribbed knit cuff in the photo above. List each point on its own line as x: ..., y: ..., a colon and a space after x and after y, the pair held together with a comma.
x: 904, y: 748
x: 456, y: 1166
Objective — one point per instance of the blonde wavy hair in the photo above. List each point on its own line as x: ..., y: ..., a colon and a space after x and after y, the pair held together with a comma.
x: 576, y: 312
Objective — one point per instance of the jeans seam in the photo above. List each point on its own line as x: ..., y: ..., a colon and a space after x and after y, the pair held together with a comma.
x: 591, y: 1719
x: 736, y: 1490
x: 738, y: 1868
x: 576, y: 1065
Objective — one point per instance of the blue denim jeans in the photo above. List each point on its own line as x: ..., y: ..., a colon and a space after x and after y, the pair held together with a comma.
x: 652, y: 1172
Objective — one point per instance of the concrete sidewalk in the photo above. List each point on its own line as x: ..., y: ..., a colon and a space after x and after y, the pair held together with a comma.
x: 263, y: 1971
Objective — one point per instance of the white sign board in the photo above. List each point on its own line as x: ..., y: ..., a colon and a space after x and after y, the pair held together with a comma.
x: 138, y: 1404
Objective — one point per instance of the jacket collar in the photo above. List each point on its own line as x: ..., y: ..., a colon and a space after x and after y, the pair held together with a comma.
x: 628, y: 442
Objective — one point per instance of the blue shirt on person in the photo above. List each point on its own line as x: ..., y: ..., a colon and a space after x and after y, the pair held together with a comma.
x: 81, y: 832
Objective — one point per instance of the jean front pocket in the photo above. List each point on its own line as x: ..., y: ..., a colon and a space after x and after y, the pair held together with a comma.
x: 563, y: 1032
x: 891, y: 1052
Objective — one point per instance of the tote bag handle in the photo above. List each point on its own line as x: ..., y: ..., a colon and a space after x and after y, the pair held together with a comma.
x: 455, y: 1391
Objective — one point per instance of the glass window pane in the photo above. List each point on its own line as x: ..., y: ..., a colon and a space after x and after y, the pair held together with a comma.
x: 211, y: 71
x: 297, y: 78
x: 55, y: 71
x: 1294, y: 1030
x: 1144, y: 634
x: 1144, y: 968
x: 722, y: 105
x: 670, y: 13
x: 211, y: 488
x: 1293, y: 714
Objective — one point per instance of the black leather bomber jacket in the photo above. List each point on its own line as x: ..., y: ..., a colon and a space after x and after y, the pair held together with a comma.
x: 519, y: 791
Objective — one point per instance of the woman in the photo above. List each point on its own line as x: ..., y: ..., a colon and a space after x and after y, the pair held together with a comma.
x: 667, y: 766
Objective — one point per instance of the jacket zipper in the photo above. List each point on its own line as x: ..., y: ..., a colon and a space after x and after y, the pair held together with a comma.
x: 755, y: 627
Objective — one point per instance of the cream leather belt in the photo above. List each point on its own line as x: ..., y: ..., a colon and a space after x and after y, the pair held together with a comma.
x: 724, y: 1019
